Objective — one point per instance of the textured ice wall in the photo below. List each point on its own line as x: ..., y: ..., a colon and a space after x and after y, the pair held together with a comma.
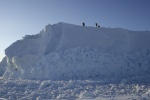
x: 65, y: 51
x: 63, y: 36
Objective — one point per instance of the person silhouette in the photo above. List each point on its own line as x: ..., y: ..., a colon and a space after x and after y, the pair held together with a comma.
x: 83, y: 24
x: 96, y: 24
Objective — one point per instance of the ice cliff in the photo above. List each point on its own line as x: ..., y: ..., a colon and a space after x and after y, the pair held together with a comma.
x: 66, y: 51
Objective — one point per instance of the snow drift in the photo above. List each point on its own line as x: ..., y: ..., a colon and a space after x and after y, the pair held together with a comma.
x: 64, y: 51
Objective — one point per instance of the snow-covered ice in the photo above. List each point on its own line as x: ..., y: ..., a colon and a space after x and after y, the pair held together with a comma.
x: 71, y: 90
x: 66, y: 61
x: 66, y: 51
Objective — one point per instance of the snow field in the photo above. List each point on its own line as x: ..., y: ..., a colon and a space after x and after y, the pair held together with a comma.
x: 70, y: 90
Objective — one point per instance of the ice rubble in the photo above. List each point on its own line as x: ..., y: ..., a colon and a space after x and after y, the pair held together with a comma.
x: 71, y: 90
x: 64, y: 51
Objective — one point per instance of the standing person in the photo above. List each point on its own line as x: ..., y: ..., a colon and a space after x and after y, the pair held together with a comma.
x: 83, y: 24
x: 96, y: 24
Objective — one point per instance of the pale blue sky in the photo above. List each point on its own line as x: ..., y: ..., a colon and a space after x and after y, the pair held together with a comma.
x: 21, y: 17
